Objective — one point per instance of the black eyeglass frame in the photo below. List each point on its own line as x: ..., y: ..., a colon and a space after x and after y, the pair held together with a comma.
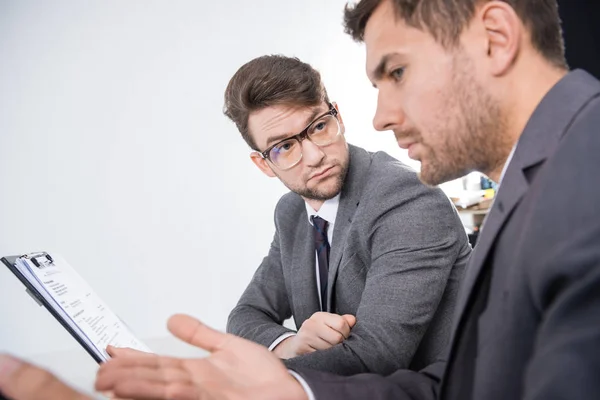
x: 303, y: 135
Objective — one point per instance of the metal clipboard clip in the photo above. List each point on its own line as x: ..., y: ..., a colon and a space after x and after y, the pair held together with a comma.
x: 46, y: 259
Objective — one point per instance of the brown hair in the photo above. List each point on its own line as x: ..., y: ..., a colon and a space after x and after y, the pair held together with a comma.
x: 268, y: 81
x: 446, y: 19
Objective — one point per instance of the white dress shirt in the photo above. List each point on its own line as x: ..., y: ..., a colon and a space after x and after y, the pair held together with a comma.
x: 328, y: 211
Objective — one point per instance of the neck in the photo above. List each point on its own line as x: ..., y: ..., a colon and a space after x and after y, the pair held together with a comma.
x: 315, y: 204
x: 523, y: 95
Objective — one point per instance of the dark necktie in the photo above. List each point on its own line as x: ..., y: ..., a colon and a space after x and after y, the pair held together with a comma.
x: 322, y: 248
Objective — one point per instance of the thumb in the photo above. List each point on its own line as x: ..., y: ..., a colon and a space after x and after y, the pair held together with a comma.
x: 194, y: 332
x: 350, y: 319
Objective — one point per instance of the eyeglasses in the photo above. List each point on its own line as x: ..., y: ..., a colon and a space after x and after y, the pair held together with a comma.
x: 323, y: 131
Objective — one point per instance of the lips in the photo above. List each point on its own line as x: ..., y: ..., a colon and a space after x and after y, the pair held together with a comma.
x: 321, y: 173
x: 405, y: 144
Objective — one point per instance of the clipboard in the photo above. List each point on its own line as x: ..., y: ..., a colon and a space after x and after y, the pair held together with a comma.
x: 10, y: 261
x: 45, y: 260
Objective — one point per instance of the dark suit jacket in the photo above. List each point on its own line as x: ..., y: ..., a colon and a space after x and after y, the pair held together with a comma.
x: 397, y: 255
x: 528, y: 314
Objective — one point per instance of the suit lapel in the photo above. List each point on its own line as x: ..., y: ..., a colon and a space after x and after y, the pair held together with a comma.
x: 304, y: 276
x: 360, y: 161
x: 509, y: 195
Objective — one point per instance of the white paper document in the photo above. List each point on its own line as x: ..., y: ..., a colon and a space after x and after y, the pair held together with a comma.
x: 77, y: 304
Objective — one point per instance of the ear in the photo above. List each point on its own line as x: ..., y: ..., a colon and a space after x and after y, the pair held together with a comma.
x: 339, y: 117
x: 504, y: 32
x: 262, y: 164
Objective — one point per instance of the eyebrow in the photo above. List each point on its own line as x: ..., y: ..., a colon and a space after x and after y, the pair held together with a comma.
x: 379, y: 71
x: 311, y: 117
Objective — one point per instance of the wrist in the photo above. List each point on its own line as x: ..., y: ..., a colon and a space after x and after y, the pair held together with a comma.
x: 284, y: 349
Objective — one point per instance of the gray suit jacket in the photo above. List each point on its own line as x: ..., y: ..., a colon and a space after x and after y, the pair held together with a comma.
x: 528, y: 315
x: 397, y: 255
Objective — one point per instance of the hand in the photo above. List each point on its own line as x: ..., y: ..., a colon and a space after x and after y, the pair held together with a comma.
x: 115, y: 352
x: 22, y: 381
x: 236, y: 369
x: 321, y: 331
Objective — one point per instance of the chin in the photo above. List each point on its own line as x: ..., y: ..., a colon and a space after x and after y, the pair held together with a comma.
x: 439, y: 175
x: 326, y: 192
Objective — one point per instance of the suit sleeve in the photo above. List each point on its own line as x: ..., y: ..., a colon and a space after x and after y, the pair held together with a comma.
x: 264, y: 305
x: 415, y: 239
x: 401, y: 385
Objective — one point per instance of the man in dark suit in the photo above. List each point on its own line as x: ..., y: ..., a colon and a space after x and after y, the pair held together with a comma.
x: 375, y: 292
x: 528, y: 319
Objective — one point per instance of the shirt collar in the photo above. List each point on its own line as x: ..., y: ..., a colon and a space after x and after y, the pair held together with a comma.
x: 328, y: 210
x: 508, y: 160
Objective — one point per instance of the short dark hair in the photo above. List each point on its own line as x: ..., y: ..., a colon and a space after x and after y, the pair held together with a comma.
x: 446, y: 19
x: 269, y: 81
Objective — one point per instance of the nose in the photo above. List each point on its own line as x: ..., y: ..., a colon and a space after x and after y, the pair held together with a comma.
x: 312, y: 155
x: 389, y: 114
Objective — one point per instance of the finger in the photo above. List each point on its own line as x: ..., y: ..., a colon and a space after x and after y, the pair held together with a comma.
x: 318, y: 343
x: 21, y: 380
x: 115, y: 352
x: 307, y: 350
x: 109, y: 379
x: 149, y: 390
x: 350, y: 319
x: 330, y: 335
x: 194, y: 332
x: 117, y: 367
x: 150, y: 361
x: 339, y: 324
x: 111, y: 396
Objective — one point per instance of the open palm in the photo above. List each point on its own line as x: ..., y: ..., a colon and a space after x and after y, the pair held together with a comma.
x: 235, y: 369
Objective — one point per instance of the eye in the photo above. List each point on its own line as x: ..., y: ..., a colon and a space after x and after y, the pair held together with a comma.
x: 397, y: 73
x: 322, y: 125
x: 284, y: 147
x: 319, y: 126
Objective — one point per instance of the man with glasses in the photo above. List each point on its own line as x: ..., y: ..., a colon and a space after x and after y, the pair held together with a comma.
x: 365, y: 258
